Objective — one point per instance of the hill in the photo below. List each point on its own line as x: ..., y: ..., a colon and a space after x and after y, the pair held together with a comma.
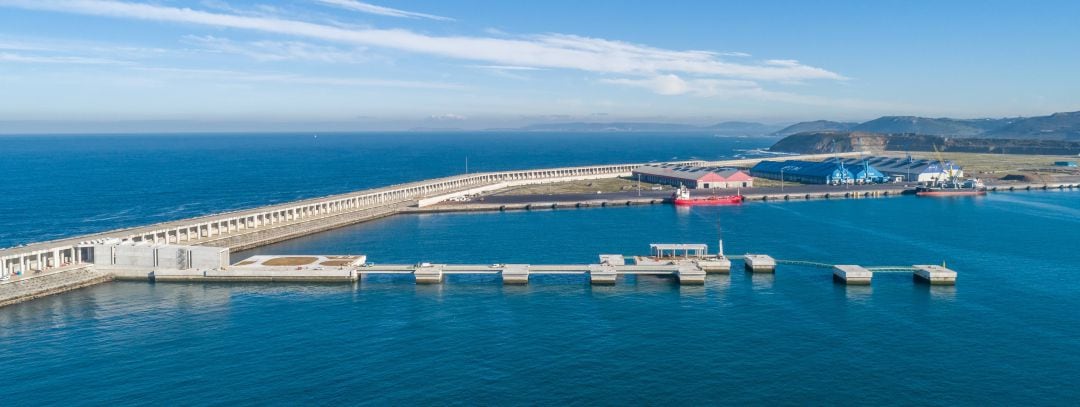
x: 724, y: 128
x: 828, y: 142
x: 815, y: 126
x: 1058, y: 126
x: 930, y: 126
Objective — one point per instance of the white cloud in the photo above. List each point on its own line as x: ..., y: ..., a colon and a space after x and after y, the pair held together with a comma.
x: 380, y: 10
x: 447, y: 117
x: 286, y: 78
x: 540, y: 51
x: 278, y: 50
x: 671, y: 84
x: 52, y: 59
x: 506, y: 67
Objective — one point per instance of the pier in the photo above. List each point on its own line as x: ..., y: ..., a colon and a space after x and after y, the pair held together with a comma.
x: 72, y: 262
x: 250, y: 228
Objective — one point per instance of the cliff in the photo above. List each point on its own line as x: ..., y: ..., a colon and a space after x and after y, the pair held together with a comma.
x: 828, y: 142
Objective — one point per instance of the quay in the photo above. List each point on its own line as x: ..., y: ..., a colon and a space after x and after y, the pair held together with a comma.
x: 251, y: 228
x: 70, y: 263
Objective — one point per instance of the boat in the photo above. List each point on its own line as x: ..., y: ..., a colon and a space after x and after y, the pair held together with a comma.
x: 682, y: 197
x: 952, y: 185
x: 952, y: 188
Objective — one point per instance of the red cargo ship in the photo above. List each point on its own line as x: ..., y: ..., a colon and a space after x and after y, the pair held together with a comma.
x: 682, y: 197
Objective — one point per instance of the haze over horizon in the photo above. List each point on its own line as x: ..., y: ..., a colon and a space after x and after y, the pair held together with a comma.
x: 233, y: 65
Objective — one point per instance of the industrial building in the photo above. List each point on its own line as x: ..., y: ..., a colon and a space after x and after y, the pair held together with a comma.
x: 823, y: 172
x: 694, y: 177
x: 908, y: 169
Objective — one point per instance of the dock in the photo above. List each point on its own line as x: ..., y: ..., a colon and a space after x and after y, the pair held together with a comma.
x: 688, y: 264
x: 935, y: 275
x: 852, y: 274
x: 759, y: 263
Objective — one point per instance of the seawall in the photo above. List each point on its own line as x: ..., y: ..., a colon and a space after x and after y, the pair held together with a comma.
x: 25, y: 289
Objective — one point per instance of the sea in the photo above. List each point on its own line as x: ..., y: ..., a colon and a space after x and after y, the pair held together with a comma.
x: 1007, y: 333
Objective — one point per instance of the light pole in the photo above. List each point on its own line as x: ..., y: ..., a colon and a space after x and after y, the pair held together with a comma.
x: 782, y: 169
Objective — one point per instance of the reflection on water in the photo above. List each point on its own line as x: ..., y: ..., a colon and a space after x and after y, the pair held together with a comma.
x: 941, y: 292
x: 762, y: 281
x: 857, y: 293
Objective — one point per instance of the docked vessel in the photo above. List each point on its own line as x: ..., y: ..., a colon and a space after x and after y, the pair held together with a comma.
x: 952, y: 188
x: 682, y: 197
x: 952, y: 185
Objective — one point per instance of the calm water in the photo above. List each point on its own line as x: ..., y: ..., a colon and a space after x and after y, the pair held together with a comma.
x: 63, y: 186
x: 1008, y: 333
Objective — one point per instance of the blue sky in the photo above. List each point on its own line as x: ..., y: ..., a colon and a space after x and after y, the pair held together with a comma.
x: 392, y: 64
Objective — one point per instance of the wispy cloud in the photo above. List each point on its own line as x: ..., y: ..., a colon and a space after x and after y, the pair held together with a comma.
x: 380, y: 10
x: 674, y: 85
x: 52, y: 59
x: 278, y: 50
x: 447, y: 117
x: 506, y: 67
x: 540, y: 51
x: 286, y: 78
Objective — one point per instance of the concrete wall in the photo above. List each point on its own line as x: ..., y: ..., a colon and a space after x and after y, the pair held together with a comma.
x: 168, y: 257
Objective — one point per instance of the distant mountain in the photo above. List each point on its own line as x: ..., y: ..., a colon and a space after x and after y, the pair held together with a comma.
x: 930, y: 126
x: 742, y: 129
x: 814, y: 126
x: 725, y: 128
x: 840, y: 142
x: 1058, y: 126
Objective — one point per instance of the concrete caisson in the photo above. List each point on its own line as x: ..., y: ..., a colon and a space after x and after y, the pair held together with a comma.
x: 852, y: 274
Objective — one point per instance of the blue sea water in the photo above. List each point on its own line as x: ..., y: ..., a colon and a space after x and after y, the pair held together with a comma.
x: 1007, y: 333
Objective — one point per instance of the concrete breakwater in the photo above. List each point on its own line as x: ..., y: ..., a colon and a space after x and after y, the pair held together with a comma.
x: 250, y: 228
x: 58, y: 281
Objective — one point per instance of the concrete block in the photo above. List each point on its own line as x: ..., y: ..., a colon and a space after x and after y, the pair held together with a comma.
x: 432, y: 274
x: 602, y: 274
x: 760, y: 263
x: 515, y: 274
x: 935, y: 275
x: 852, y: 274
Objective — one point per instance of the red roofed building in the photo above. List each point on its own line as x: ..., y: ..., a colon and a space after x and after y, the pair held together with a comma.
x: 694, y: 177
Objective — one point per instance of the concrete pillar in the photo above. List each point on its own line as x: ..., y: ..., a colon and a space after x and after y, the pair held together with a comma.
x: 690, y: 275
x: 935, y: 275
x: 602, y: 274
x: 429, y: 275
x: 852, y: 274
x: 759, y: 263
x: 515, y: 274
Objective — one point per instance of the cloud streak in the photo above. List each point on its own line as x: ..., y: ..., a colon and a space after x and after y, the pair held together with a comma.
x: 540, y: 51
x: 380, y: 10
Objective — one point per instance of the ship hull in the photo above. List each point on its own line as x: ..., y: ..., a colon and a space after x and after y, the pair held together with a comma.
x: 716, y: 200
x: 950, y: 192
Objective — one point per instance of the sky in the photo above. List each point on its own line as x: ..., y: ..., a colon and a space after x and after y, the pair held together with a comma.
x: 236, y: 65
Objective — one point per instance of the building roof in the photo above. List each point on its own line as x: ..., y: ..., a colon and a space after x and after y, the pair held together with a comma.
x: 678, y: 246
x: 901, y: 165
x: 802, y: 168
x: 693, y: 173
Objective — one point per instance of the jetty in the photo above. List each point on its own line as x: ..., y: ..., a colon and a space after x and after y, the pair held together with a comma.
x: 32, y: 270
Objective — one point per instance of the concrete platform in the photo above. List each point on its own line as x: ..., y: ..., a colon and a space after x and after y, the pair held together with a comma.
x: 429, y: 274
x: 256, y: 274
x: 759, y: 263
x: 690, y: 275
x: 602, y: 274
x: 935, y: 275
x: 852, y: 274
x: 613, y: 259
x: 714, y: 265
x: 515, y: 274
